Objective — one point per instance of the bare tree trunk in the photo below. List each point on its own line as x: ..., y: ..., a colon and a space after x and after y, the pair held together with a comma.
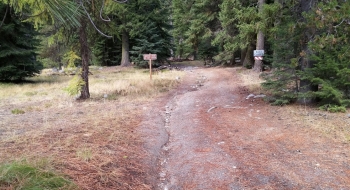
x: 249, y: 59
x: 243, y: 54
x: 259, y: 42
x: 195, y: 52
x: 305, y: 62
x: 125, y: 50
x: 85, y: 58
x: 233, y: 60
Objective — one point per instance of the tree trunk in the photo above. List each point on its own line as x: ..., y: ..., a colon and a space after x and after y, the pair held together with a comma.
x: 233, y: 60
x: 305, y: 62
x: 85, y: 58
x: 243, y: 54
x: 195, y: 52
x: 249, y: 59
x: 259, y: 42
x: 125, y: 50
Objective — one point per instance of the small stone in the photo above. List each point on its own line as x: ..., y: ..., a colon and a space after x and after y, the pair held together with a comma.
x: 162, y: 174
x: 348, y: 115
x: 250, y: 96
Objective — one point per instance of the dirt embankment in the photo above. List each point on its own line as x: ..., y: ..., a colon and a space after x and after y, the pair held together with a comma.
x: 206, y: 134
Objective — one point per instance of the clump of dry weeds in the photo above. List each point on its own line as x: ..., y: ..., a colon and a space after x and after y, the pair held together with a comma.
x: 251, y: 80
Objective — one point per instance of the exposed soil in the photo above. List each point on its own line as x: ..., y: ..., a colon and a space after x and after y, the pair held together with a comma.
x: 206, y: 134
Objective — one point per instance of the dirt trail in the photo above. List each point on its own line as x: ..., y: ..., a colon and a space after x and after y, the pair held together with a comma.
x: 206, y: 135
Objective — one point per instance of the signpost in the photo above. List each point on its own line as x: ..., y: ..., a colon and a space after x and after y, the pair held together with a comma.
x: 258, y: 54
x: 150, y: 57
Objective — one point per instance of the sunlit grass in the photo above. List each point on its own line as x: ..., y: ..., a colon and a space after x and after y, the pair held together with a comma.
x: 25, y: 175
x: 112, y: 83
x: 251, y: 80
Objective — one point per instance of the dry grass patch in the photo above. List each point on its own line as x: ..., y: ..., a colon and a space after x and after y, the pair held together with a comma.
x: 332, y: 125
x: 94, y: 141
x: 251, y: 80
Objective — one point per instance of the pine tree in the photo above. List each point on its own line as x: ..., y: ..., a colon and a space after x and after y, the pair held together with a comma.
x: 181, y: 23
x: 330, y: 52
x: 310, y: 59
x: 17, y: 47
x: 284, y: 38
x: 195, y: 23
x: 133, y: 22
x: 105, y: 51
x: 239, y: 20
x: 154, y: 40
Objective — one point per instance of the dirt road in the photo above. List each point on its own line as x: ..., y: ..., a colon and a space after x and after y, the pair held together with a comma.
x: 206, y: 134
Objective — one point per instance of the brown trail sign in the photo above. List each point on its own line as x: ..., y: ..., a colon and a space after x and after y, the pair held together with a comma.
x: 150, y: 57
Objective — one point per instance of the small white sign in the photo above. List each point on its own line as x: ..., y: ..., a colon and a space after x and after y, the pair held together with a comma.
x: 258, y: 53
x: 150, y: 56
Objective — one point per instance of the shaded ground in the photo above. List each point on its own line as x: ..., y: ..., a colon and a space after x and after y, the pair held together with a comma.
x: 207, y: 135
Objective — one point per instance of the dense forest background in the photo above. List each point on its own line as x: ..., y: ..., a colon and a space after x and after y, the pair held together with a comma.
x: 306, y: 42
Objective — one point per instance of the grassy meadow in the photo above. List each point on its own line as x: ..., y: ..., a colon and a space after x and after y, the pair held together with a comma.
x: 90, y: 142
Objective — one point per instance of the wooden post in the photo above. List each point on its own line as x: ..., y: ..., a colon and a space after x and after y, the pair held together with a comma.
x: 150, y: 57
x: 150, y: 67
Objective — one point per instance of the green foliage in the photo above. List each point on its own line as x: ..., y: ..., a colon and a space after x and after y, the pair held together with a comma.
x: 75, y: 85
x: 71, y: 57
x: 280, y: 102
x: 194, y: 23
x: 54, y: 44
x: 154, y: 40
x: 284, y: 82
x: 333, y: 108
x: 17, y: 50
x: 17, y: 111
x: 145, y: 23
x: 22, y: 175
x: 330, y: 47
x: 327, y: 49
x: 106, y: 52
x: 47, y: 11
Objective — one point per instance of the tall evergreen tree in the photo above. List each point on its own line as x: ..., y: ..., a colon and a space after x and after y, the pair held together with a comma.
x: 134, y: 22
x: 285, y: 37
x: 309, y: 41
x: 17, y: 47
x: 152, y: 40
x: 330, y: 45
x: 181, y: 22
x: 195, y: 23
x: 239, y: 19
x: 106, y: 51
